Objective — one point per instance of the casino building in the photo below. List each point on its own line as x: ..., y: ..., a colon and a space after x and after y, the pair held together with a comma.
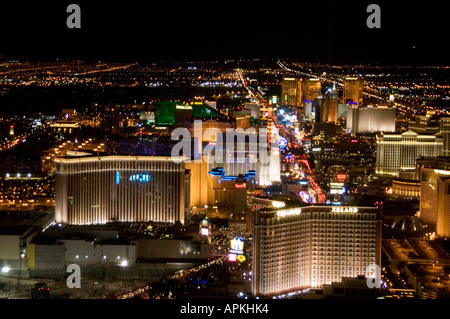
x: 398, y: 152
x: 370, y: 119
x: 99, y: 189
x: 299, y: 248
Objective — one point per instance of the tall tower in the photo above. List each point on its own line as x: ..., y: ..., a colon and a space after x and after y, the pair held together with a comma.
x: 330, y: 106
x: 444, y: 127
x: 311, y: 89
x: 319, y: 108
x: 353, y: 91
x: 435, y: 195
x: 291, y: 92
x: 307, y: 247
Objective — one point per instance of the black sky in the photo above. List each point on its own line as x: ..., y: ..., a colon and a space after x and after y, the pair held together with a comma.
x: 326, y: 31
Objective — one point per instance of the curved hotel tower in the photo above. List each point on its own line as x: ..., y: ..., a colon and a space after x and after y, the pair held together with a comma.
x: 99, y: 189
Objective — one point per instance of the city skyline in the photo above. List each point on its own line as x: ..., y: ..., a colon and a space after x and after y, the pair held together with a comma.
x: 225, y: 152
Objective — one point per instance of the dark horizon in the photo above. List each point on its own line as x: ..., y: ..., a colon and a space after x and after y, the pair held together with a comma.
x: 327, y: 32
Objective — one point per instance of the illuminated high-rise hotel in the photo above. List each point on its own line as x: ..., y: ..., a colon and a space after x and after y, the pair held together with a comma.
x: 96, y: 190
x: 307, y: 247
x: 291, y: 92
x: 353, y: 90
x: 311, y: 89
x: 396, y: 152
x: 329, y: 109
x: 434, y: 175
x: 370, y: 119
x: 444, y: 131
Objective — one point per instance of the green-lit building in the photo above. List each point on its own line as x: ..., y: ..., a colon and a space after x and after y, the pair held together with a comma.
x: 175, y: 113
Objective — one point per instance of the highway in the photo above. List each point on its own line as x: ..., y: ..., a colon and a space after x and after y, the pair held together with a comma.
x: 259, y: 98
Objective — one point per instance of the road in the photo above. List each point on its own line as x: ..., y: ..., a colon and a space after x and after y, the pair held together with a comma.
x: 257, y: 97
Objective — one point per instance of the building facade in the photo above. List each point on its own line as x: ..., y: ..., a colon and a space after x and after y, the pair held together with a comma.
x: 353, y: 90
x: 291, y: 92
x: 405, y: 189
x: 444, y: 128
x: 308, y: 247
x: 311, y: 89
x: 96, y: 190
x: 435, y: 196
x: 396, y: 152
x: 370, y: 119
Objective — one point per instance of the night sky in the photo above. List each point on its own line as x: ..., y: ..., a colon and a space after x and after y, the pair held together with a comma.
x: 327, y: 31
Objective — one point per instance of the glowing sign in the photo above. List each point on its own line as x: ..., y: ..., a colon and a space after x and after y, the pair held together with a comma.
x: 274, y: 100
x: 241, y: 258
x: 344, y: 210
x: 117, y: 177
x: 336, y: 185
x: 289, y: 212
x: 205, y: 223
x: 232, y: 257
x: 282, y: 143
x: 237, y: 246
x: 277, y: 204
x: 243, y: 185
x: 341, y: 176
x: 183, y: 107
x: 140, y: 178
x: 204, y: 231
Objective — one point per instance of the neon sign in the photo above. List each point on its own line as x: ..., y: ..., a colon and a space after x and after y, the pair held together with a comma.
x: 237, y: 246
x: 344, y: 210
x: 290, y: 212
x: 140, y: 178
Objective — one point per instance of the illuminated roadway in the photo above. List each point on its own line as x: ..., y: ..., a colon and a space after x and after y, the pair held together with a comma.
x: 240, y: 75
x: 107, y: 69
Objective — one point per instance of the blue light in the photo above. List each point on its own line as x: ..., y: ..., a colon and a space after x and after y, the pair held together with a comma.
x: 140, y: 178
x: 336, y: 203
x: 282, y: 143
x: 117, y: 177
